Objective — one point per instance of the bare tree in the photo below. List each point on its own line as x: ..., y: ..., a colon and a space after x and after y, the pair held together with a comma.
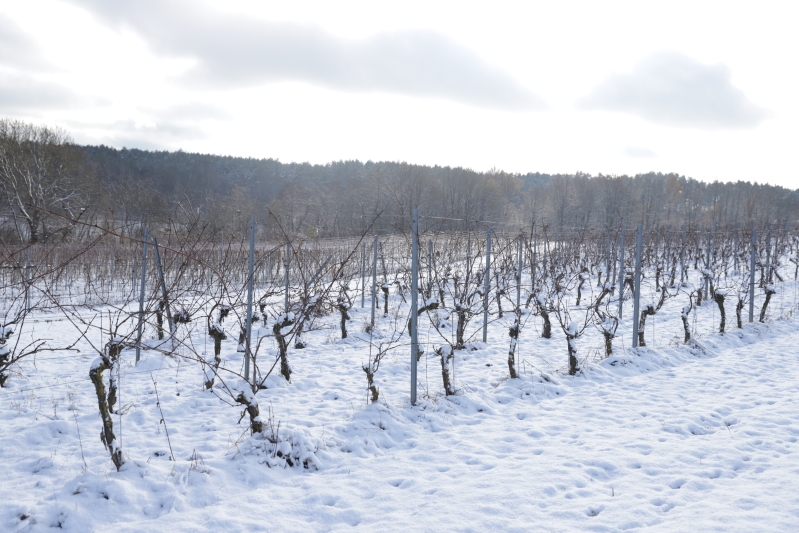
x: 39, y: 173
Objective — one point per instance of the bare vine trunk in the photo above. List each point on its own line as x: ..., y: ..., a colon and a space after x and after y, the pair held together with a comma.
x: 514, y: 339
x: 738, y: 308
x: 282, y: 345
x: 460, y: 327
x: 718, y: 297
x: 447, y: 371
x: 649, y: 311
x: 608, y: 342
x: 343, y: 309
x: 247, y: 399
x: 580, y: 290
x: 684, y: 316
x: 571, y: 340
x: 769, y: 291
x: 217, y: 333
x: 547, y: 331
x: 370, y: 379
x: 105, y: 403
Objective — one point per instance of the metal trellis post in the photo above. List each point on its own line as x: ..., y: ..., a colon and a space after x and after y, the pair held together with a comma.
x: 621, y: 274
x: 286, y: 264
x: 752, y: 277
x: 486, y: 285
x: 414, y: 300
x: 141, y: 294
x: 682, y: 257
x: 519, y: 276
x: 363, y: 275
x: 374, y: 282
x: 247, y: 345
x: 637, y: 284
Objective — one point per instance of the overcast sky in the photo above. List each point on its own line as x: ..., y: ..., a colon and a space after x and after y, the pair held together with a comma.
x: 705, y: 89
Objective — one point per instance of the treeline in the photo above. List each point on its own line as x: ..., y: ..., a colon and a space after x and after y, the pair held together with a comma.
x: 45, y: 179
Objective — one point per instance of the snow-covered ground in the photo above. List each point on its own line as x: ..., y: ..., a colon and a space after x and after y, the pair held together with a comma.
x: 670, y: 437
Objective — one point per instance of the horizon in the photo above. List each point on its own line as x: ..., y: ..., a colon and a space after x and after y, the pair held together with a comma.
x: 536, y: 172
x: 616, y: 89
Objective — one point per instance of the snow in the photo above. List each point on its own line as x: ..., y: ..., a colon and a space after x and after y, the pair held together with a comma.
x: 670, y: 437
x: 284, y: 317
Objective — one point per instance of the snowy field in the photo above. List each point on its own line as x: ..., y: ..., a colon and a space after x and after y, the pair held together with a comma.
x: 671, y: 437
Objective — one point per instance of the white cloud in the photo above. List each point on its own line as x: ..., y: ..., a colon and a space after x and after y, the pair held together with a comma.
x: 20, y: 92
x: 148, y: 134
x: 17, y: 48
x: 675, y: 90
x: 237, y: 51
x: 639, y: 152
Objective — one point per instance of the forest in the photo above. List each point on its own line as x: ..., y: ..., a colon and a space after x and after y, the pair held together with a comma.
x: 44, y: 175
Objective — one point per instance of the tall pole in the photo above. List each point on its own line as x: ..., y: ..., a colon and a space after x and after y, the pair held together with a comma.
x: 615, y: 253
x: 287, y: 264
x: 430, y: 269
x: 468, y: 257
x: 363, y: 275
x: 247, y: 345
x: 682, y: 257
x: 768, y: 253
x: 714, y: 247
x: 414, y: 300
x: 486, y: 285
x: 141, y: 294
x: 519, y: 276
x: 621, y: 273
x: 707, y: 266
x: 637, y: 295
x: 28, y: 281
x: 535, y: 261
x: 374, y: 282
x: 752, y: 277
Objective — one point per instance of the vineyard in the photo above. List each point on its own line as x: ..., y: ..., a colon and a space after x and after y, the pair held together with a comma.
x: 167, y: 374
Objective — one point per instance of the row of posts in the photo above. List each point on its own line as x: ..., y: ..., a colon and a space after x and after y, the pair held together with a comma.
x: 415, y: 285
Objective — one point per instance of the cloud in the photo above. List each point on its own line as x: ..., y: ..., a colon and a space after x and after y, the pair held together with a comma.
x: 21, y: 64
x: 17, y: 48
x: 234, y: 51
x: 639, y: 152
x: 675, y: 90
x: 164, y: 128
x: 19, y: 92
x: 157, y: 134
x: 189, y: 111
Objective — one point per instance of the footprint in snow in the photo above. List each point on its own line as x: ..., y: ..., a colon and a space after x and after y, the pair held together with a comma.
x: 594, y: 511
x: 401, y: 483
x: 677, y: 483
